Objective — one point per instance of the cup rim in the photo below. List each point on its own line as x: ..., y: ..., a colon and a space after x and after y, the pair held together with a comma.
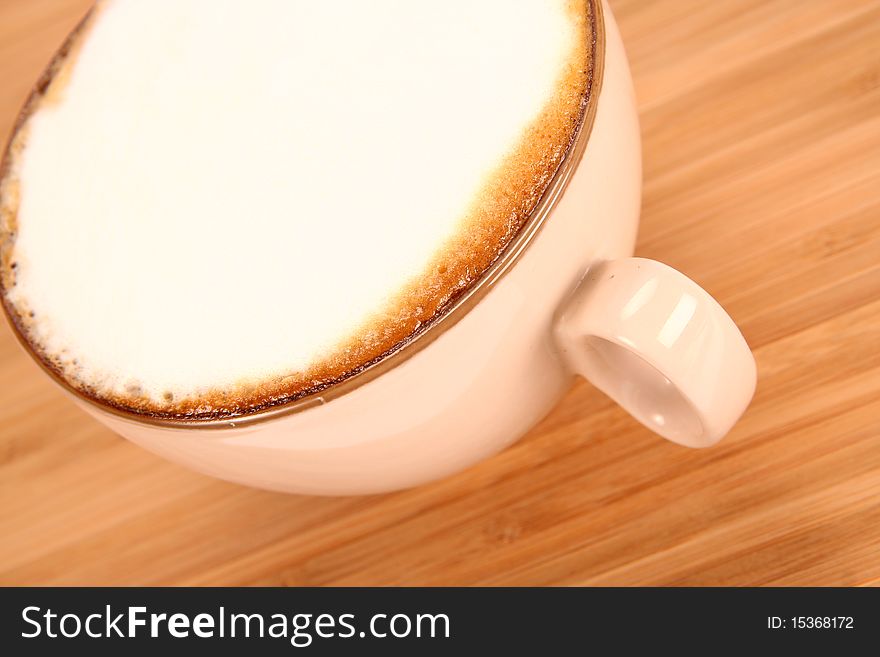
x: 406, y: 348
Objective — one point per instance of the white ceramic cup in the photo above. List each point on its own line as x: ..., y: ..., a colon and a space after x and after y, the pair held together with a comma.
x: 566, y: 299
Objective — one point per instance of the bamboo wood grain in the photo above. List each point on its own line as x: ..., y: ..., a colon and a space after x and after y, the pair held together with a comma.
x: 761, y: 128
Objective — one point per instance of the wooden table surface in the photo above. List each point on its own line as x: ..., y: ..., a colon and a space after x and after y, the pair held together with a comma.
x: 761, y: 128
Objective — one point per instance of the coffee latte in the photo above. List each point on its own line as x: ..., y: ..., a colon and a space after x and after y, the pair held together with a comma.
x: 210, y: 208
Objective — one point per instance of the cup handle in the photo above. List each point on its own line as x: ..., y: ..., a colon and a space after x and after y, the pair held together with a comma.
x: 661, y: 347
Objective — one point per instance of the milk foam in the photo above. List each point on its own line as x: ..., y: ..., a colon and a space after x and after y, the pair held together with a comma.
x: 226, y: 193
